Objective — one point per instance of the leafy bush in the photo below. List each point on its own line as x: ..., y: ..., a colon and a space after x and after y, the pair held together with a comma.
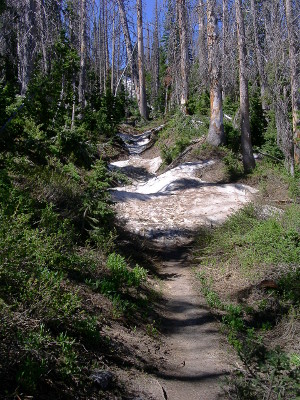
x: 121, y: 279
x: 233, y: 166
x: 178, y: 134
x: 199, y: 104
x: 121, y: 275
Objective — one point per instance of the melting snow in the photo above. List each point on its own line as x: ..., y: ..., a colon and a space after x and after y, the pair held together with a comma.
x: 173, y: 205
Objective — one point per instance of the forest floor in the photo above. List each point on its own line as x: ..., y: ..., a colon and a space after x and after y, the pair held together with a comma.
x: 162, y: 211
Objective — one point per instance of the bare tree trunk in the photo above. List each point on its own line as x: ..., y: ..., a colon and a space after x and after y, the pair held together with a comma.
x: 216, y: 135
x: 129, y: 48
x: 143, y: 99
x: 259, y: 58
x: 202, y: 43
x: 25, y: 44
x: 42, y: 30
x: 181, y: 7
x: 82, y: 73
x: 224, y: 43
x: 148, y: 56
x: 155, y: 55
x: 106, y: 50
x: 248, y: 159
x: 294, y: 71
x: 113, y: 46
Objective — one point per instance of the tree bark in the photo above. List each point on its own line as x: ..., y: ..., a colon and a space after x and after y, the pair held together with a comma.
x: 202, y: 47
x: 182, y: 23
x: 82, y: 73
x: 294, y: 72
x: 155, y: 55
x: 129, y: 48
x: 248, y: 158
x: 42, y: 29
x: 113, y: 47
x: 259, y: 58
x: 141, y: 66
x: 216, y: 136
x: 224, y: 42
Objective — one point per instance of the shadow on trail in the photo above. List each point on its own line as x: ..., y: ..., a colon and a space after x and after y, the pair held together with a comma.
x: 170, y: 323
x: 136, y: 173
x: 191, y: 378
x: 167, y: 190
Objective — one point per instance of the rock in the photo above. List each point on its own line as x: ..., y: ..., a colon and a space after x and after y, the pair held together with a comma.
x: 267, y: 211
x: 102, y: 378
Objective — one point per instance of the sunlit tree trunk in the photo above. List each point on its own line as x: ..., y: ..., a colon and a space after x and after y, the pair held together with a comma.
x: 25, y: 43
x: 129, y: 48
x: 216, y: 135
x: 155, y: 56
x: 292, y: 18
x: 248, y: 158
x: 182, y: 23
x: 82, y: 73
x: 42, y: 30
x: 202, y: 48
x: 113, y: 46
x: 224, y: 42
x: 141, y: 66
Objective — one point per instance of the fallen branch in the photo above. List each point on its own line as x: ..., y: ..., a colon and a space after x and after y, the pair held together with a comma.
x: 267, y: 155
x: 189, y: 148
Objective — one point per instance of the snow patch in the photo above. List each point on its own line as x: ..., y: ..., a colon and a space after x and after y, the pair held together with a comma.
x: 171, y: 206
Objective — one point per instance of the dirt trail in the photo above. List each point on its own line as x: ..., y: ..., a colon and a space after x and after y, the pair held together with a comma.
x: 196, y: 361
x: 166, y: 210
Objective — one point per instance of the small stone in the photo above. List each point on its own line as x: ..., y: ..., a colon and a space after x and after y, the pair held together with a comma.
x: 102, y: 378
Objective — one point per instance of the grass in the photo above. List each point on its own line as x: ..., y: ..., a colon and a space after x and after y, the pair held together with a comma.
x: 236, y: 259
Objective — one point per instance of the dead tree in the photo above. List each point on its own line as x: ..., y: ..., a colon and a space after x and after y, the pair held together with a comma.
x: 292, y: 17
x: 141, y: 63
x: 216, y: 135
x: 247, y: 151
x: 129, y: 47
x: 182, y: 25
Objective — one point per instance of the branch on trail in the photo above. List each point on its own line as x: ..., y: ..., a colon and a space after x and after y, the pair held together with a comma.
x: 267, y: 155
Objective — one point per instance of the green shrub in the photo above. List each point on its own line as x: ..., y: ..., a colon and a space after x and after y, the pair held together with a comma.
x: 233, y: 166
x: 199, y: 104
x: 120, y: 273
x: 178, y: 134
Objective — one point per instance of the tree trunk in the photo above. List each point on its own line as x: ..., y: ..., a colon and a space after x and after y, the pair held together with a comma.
x: 129, y: 48
x: 182, y: 23
x: 259, y: 58
x: 202, y: 43
x: 25, y: 43
x: 155, y: 56
x: 248, y: 159
x: 82, y: 73
x: 142, y: 85
x: 224, y: 43
x: 113, y: 46
x: 41, y: 27
x: 216, y: 136
x: 295, y: 74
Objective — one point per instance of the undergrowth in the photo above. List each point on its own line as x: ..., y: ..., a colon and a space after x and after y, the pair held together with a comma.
x: 178, y: 133
x: 58, y: 247
x: 265, y: 249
